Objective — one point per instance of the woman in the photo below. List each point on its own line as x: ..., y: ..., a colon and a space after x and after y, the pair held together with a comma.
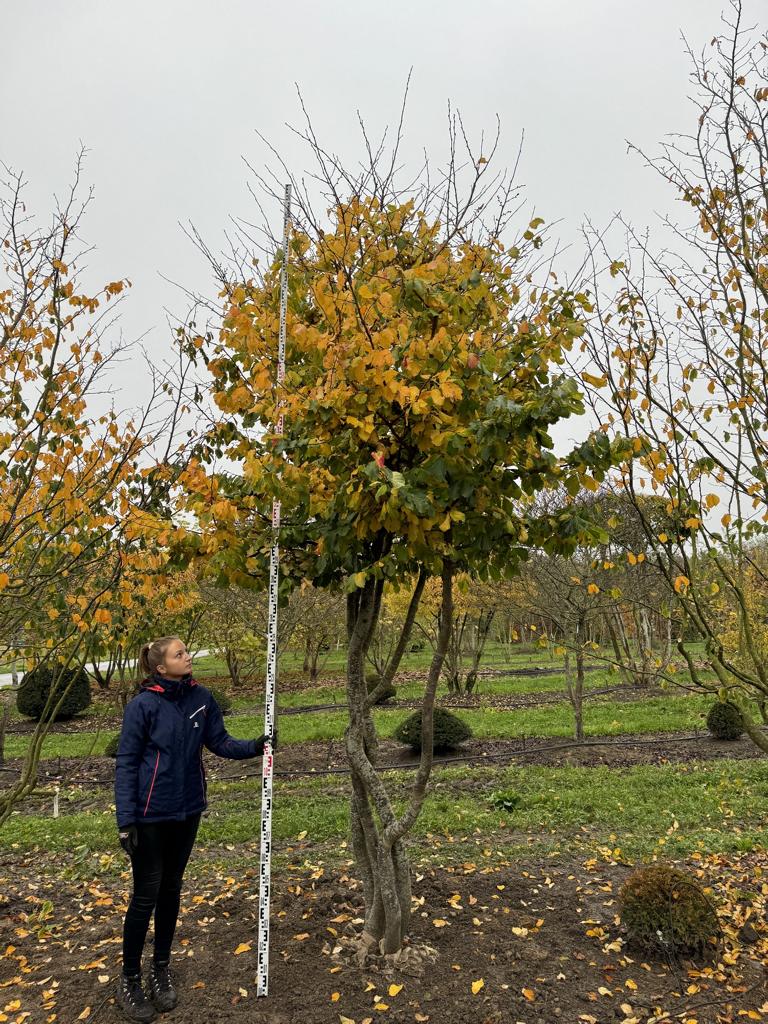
x: 160, y: 793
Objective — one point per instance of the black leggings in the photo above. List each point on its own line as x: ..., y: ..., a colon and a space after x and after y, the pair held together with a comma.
x: 158, y: 868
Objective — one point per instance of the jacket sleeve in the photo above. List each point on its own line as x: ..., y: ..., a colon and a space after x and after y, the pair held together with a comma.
x: 129, y: 754
x: 217, y: 739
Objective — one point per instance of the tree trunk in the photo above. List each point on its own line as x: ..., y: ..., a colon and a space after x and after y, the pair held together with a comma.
x: 393, y: 663
x: 233, y: 665
x: 4, y: 716
x: 378, y: 835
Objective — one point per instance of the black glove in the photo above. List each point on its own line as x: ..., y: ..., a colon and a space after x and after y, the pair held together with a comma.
x: 129, y: 839
x: 266, y: 739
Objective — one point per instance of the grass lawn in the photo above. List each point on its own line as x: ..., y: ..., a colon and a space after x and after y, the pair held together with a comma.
x: 601, y: 717
x: 670, y: 809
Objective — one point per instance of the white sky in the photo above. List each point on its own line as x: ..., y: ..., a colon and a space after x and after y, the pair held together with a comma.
x: 166, y: 96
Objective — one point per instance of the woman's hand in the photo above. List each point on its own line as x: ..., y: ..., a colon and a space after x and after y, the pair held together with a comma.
x: 129, y: 839
x: 263, y: 740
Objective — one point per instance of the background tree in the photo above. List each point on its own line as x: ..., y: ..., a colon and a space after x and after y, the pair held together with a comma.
x: 680, y: 350
x: 79, y: 517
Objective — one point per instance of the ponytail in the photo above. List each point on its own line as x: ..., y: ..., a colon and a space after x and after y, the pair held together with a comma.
x: 151, y: 655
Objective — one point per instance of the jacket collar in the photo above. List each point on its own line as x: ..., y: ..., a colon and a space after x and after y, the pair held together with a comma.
x: 171, y: 688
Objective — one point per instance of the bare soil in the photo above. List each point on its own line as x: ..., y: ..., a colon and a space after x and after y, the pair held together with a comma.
x: 524, y: 943
x: 319, y: 757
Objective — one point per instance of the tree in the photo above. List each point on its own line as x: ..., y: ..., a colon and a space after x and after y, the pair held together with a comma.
x: 423, y: 378
x: 475, y: 605
x: 319, y: 619
x: 79, y: 516
x: 680, y: 352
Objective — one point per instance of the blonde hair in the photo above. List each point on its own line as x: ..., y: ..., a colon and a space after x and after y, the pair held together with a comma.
x: 152, y: 654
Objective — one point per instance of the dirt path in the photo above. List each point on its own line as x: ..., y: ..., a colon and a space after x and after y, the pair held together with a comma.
x: 320, y: 757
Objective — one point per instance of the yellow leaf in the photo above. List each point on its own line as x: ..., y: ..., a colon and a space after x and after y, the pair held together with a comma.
x: 359, y: 579
x: 593, y: 589
x: 439, y: 922
x: 381, y: 1007
x: 663, y: 538
x: 394, y: 989
x: 477, y: 985
x: 85, y: 1014
x: 681, y: 584
x: 596, y: 382
x: 711, y: 500
x: 529, y: 994
x: 726, y: 520
x: 632, y: 559
x: 244, y: 947
x: 604, y: 991
x: 335, y: 997
x: 345, y: 1020
x: 301, y: 937
x: 629, y: 983
x: 5, y: 579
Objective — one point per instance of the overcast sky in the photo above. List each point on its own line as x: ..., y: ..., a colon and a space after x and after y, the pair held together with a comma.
x: 166, y: 96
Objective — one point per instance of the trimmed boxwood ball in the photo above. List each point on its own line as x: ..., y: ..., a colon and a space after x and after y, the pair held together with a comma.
x: 724, y: 721
x: 449, y: 731
x: 223, y: 699
x: 663, y: 908
x: 110, y: 750
x: 372, y: 680
x: 32, y: 695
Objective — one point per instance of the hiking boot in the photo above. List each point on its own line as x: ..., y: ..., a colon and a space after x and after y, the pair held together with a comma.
x: 132, y: 1001
x: 160, y: 987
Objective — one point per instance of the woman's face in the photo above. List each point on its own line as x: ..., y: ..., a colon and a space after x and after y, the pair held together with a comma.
x: 177, y: 661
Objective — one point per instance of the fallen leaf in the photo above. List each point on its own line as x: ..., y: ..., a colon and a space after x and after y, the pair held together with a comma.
x: 244, y: 947
x: 529, y: 994
x: 394, y: 989
x: 199, y: 984
x: 85, y: 1014
x: 477, y: 985
x: 335, y: 997
x: 439, y: 922
x: 301, y: 937
x: 103, y: 979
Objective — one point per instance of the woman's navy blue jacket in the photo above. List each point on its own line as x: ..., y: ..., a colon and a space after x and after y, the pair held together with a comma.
x: 159, y: 774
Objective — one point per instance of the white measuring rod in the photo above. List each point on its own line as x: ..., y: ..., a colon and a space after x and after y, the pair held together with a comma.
x: 268, y: 763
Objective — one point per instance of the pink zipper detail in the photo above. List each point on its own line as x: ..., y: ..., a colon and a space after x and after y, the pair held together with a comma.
x: 202, y: 779
x: 149, y: 796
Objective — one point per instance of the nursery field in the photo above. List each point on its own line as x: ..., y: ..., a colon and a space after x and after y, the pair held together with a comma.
x: 519, y: 856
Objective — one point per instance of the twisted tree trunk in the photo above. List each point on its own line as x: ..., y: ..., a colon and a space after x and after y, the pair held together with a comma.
x: 378, y: 834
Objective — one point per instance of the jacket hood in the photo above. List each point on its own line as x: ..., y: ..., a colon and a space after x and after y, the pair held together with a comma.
x: 172, y: 688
